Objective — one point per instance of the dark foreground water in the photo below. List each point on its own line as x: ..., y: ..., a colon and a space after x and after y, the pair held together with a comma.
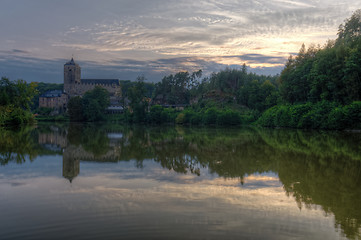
x: 114, y: 182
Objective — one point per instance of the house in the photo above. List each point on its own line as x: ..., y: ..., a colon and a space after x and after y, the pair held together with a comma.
x: 53, y: 99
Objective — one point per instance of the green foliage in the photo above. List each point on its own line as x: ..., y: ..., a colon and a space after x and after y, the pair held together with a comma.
x: 258, y: 95
x: 210, y: 116
x: 317, y: 116
x: 100, y: 95
x: 331, y: 73
x: 20, y: 116
x: 91, y: 107
x: 92, y: 141
x: 160, y: 115
x: 92, y: 110
x: 44, y: 111
x: 229, y: 80
x: 228, y: 117
x: 168, y: 115
x: 17, y: 145
x: 353, y: 115
x: 229, y: 97
x: 75, y: 109
x: 138, y: 101
x: 155, y: 114
x: 351, y: 29
x: 15, y: 102
x: 322, y: 115
x: 295, y: 82
x: 178, y: 88
x: 180, y: 119
x: 127, y: 84
x: 200, y: 116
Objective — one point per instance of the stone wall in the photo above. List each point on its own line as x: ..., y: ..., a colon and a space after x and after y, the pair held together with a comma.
x: 80, y: 89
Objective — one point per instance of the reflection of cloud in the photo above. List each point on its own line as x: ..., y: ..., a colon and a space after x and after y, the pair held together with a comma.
x: 120, y: 200
x: 215, y: 202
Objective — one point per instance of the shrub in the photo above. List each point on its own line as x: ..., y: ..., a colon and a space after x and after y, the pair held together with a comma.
x: 228, y: 117
x: 336, y: 118
x: 155, y: 114
x: 282, y: 116
x: 267, y: 118
x: 196, y: 119
x: 321, y: 115
x: 210, y: 116
x: 180, y: 118
x: 353, y: 115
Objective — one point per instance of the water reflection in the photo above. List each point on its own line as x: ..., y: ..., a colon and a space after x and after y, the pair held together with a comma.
x: 315, y: 168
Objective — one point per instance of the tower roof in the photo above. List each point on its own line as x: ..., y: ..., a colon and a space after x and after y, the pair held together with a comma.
x: 71, y: 62
x: 52, y: 93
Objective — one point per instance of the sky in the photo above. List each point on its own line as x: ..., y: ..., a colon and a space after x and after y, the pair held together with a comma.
x: 124, y: 39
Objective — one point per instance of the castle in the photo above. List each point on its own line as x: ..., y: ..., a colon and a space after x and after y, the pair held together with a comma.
x: 75, y: 86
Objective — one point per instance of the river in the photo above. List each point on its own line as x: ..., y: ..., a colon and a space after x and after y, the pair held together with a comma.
x: 98, y: 181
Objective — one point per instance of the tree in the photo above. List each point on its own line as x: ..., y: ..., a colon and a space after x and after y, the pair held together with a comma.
x: 15, y: 101
x: 94, y: 104
x: 75, y: 109
x: 138, y: 101
x: 91, y: 107
x: 100, y: 95
x: 179, y: 88
x: 296, y: 76
x: 351, y: 29
x: 331, y: 73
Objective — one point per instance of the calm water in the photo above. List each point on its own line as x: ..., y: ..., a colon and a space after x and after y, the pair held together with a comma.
x: 114, y: 182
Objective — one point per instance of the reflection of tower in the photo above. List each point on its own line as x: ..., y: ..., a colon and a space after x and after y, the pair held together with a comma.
x: 71, y: 167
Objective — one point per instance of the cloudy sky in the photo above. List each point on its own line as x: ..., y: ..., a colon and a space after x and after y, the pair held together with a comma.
x: 126, y: 38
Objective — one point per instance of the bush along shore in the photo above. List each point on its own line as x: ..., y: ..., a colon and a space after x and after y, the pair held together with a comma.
x: 321, y: 115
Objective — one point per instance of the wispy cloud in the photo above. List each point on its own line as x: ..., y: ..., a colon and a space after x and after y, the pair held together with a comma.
x: 152, y: 35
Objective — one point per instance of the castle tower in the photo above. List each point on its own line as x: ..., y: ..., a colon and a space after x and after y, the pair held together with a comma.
x: 71, y: 76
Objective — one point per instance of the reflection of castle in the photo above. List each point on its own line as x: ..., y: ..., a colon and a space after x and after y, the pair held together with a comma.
x: 71, y: 168
x: 53, y: 140
x: 56, y: 141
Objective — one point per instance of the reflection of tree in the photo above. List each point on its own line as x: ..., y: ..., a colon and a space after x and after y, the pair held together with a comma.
x: 17, y: 144
x: 315, y: 168
x: 173, y: 157
x: 91, y: 137
x: 95, y: 141
x: 324, y: 145
x: 322, y: 168
x: 334, y: 184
